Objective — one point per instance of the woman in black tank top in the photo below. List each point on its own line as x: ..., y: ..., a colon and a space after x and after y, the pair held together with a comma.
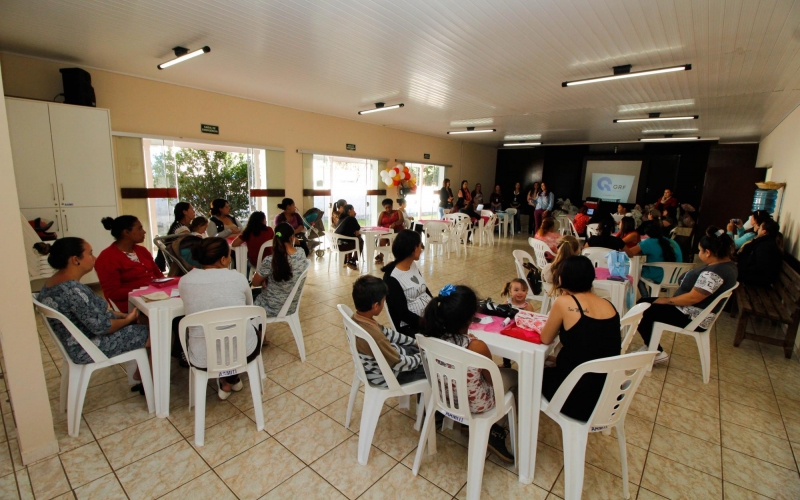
x: 587, y: 339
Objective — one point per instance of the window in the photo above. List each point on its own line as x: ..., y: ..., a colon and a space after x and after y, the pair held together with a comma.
x: 347, y: 179
x: 424, y: 203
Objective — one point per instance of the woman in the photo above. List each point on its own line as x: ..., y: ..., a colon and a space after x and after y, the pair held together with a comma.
x: 667, y: 204
x: 184, y: 214
x: 469, y: 209
x: 548, y: 234
x: 279, y: 272
x: 445, y: 199
x: 588, y: 328
x: 656, y: 248
x: 496, y: 200
x: 627, y: 232
x: 408, y: 293
x: 255, y: 234
x: 210, y: 286
x: 515, y: 201
x: 741, y: 236
x: 653, y: 217
x: 699, y: 288
x: 349, y: 226
x: 567, y: 247
x: 545, y: 203
x: 581, y: 220
x: 114, y: 333
x: 336, y: 213
x: 125, y: 265
x: 761, y: 260
x: 222, y: 224
x: 605, y: 237
x: 290, y: 216
x: 448, y: 317
x: 390, y: 218
x: 405, y: 220
x: 477, y: 194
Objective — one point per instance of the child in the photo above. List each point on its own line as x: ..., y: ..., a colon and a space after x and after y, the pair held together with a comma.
x: 198, y: 226
x: 400, y: 351
x: 448, y: 317
x: 517, y: 290
x: 404, y: 218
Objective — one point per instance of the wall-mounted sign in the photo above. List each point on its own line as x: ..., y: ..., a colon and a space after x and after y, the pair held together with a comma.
x: 427, y: 156
x: 209, y: 129
x: 351, y: 147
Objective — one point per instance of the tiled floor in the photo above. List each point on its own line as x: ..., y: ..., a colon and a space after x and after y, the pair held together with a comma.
x: 736, y: 437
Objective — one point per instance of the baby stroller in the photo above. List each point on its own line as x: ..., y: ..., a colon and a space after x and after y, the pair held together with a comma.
x: 315, y: 230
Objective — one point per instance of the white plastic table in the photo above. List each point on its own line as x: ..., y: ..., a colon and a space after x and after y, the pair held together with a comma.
x: 160, y: 313
x: 530, y: 358
x: 370, y: 235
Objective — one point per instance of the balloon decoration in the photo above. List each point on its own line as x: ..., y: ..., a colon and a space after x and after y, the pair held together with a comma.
x: 400, y: 177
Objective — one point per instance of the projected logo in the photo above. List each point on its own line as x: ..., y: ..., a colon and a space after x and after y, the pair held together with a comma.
x: 604, y: 184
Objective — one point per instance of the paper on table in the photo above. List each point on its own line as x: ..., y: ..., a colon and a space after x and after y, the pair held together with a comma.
x: 150, y: 297
x: 175, y: 293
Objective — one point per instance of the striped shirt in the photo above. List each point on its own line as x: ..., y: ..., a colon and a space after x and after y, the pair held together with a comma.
x: 398, y: 350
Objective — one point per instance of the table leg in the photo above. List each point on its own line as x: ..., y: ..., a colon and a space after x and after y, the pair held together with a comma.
x: 369, y: 244
x: 530, y: 394
x: 161, y: 352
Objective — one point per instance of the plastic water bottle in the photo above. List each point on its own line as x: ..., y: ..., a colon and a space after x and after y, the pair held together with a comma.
x: 765, y: 199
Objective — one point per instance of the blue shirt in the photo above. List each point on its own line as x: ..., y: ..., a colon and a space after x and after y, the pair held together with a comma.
x: 545, y: 201
x: 652, y: 249
x: 741, y: 237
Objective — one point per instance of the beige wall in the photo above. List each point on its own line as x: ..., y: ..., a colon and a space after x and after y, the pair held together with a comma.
x: 23, y: 361
x: 148, y: 107
x: 129, y: 164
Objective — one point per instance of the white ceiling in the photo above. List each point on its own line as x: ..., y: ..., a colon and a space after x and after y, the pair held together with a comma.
x: 498, y: 63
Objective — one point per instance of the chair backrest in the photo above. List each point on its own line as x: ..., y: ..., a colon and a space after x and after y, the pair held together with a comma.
x: 447, y: 372
x: 353, y: 332
x: 572, y: 230
x: 434, y: 232
x: 629, y: 324
x: 623, y: 375
x: 540, y: 248
x: 225, y: 332
x: 597, y: 255
x: 335, y: 239
x: 267, y: 244
x: 164, y: 243
x: 563, y: 224
x: 637, y: 261
x: 453, y: 217
x: 591, y: 230
x: 672, y: 271
x: 520, y: 256
x: 47, y: 312
x: 713, y: 308
x: 486, y: 213
x: 297, y: 288
x: 384, y: 237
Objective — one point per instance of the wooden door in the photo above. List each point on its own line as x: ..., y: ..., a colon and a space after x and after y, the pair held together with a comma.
x: 32, y: 152
x: 728, y: 194
x: 83, y: 158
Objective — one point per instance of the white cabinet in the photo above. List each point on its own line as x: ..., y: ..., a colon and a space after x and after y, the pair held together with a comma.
x: 64, y: 167
x: 29, y: 129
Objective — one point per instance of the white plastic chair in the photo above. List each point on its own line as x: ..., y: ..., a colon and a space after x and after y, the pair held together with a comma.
x: 225, y: 332
x: 520, y: 257
x: 436, y: 236
x: 459, y: 235
x: 637, y: 261
x: 591, y: 230
x: 75, y: 378
x: 293, y: 319
x: 385, y: 250
x: 486, y: 229
x: 540, y: 248
x: 510, y: 214
x: 669, y: 282
x: 564, y: 224
x: 453, y: 218
x: 702, y: 337
x: 374, y: 396
x: 335, y: 239
x: 597, y: 255
x: 630, y: 323
x: 447, y: 369
x: 267, y: 244
x: 610, y: 411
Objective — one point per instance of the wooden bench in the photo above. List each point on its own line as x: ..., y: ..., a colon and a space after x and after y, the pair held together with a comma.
x: 780, y: 303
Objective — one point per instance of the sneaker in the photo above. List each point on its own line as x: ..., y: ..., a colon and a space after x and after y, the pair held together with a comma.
x: 497, y: 444
x: 661, y: 357
x: 379, y: 258
x: 352, y: 266
x: 238, y: 386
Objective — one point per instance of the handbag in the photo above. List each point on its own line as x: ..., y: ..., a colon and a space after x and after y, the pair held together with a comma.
x: 534, y: 278
x: 493, y: 309
x: 619, y: 265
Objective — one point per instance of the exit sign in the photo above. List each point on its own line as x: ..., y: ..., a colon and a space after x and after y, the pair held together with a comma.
x: 209, y: 129
x: 351, y: 147
x: 427, y: 156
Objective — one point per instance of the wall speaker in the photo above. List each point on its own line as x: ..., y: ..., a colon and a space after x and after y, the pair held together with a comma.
x: 77, y: 87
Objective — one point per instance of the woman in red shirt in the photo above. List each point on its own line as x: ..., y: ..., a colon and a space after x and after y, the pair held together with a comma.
x: 255, y: 235
x: 389, y: 217
x: 627, y: 232
x: 125, y: 265
x: 581, y: 220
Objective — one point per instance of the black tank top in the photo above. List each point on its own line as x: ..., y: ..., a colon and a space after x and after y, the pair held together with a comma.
x: 587, y: 340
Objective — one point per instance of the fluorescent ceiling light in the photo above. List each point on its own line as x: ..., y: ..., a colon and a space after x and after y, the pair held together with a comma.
x: 621, y: 72
x: 656, y: 117
x: 183, y: 54
x: 522, y: 137
x: 473, y: 122
x: 518, y: 144
x: 471, y: 130
x: 379, y: 106
x: 644, y: 106
x: 670, y: 131
x: 668, y: 139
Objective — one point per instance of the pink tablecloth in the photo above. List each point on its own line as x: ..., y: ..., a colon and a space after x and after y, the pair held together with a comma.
x: 602, y: 273
x: 376, y: 228
x: 494, y: 327
x: 152, y: 288
x: 426, y: 221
